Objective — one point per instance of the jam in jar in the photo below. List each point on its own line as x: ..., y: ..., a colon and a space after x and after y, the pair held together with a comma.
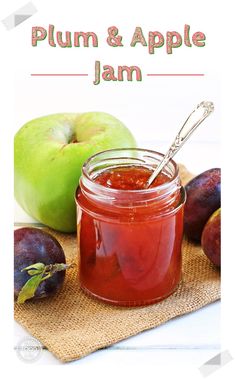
x: 129, y: 237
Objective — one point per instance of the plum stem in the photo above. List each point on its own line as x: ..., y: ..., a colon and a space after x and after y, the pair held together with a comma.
x: 39, y: 272
x: 53, y: 268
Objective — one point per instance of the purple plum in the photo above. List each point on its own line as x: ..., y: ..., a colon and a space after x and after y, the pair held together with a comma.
x: 203, y: 198
x: 211, y: 238
x: 33, y: 248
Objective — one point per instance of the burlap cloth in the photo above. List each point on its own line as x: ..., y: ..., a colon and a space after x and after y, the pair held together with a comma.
x: 72, y: 325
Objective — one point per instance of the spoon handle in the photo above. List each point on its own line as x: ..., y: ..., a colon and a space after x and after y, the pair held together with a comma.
x: 204, y: 109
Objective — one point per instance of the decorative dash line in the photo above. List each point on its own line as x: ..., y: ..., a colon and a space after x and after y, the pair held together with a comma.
x: 175, y: 74
x: 59, y: 74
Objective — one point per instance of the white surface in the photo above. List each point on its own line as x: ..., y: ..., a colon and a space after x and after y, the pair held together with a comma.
x: 190, y: 339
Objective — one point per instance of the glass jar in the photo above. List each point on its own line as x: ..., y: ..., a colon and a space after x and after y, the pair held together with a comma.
x: 129, y: 240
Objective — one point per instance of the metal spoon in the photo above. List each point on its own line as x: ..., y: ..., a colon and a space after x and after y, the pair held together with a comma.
x: 198, y: 115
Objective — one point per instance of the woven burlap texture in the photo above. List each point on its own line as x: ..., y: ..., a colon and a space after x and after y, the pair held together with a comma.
x: 72, y: 325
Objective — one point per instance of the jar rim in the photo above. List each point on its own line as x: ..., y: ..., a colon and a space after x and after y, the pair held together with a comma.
x: 131, y: 191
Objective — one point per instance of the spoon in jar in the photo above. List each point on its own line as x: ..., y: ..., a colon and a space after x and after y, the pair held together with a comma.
x: 198, y: 115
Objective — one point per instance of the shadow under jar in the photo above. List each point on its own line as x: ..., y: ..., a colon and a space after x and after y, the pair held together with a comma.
x: 129, y: 237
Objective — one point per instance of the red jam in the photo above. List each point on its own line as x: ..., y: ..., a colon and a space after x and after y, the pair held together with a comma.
x: 129, y: 178
x: 130, y: 247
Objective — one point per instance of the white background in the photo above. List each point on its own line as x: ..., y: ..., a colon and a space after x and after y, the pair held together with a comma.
x: 153, y: 109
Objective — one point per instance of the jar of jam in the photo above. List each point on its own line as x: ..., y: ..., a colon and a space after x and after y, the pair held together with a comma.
x: 129, y: 237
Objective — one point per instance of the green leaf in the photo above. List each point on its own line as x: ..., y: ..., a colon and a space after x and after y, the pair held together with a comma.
x: 29, y: 289
x: 34, y: 272
x: 39, y: 272
x: 34, y: 269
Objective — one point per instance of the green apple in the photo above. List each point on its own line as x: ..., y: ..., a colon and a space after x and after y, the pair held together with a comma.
x: 49, y: 154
